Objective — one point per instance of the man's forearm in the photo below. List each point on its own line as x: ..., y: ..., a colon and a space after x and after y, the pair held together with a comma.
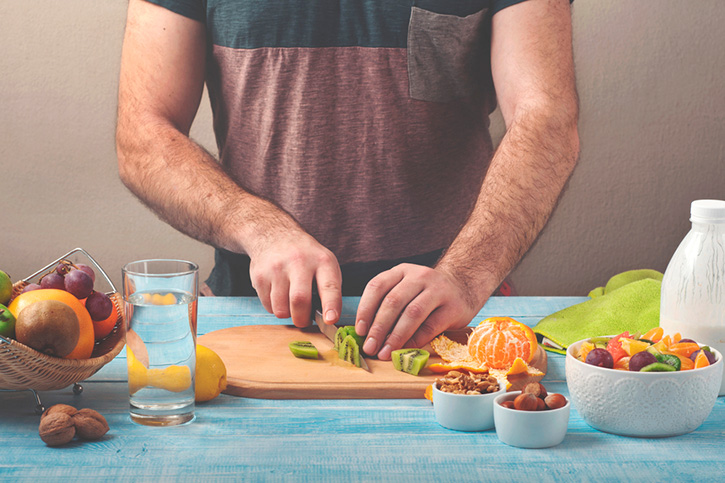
x: 185, y: 186
x: 522, y: 186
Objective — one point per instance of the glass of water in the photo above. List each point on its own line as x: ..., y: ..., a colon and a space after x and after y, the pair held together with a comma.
x: 160, y: 302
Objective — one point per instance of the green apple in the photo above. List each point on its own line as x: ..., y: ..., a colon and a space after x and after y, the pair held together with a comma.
x: 7, y: 322
x: 6, y: 288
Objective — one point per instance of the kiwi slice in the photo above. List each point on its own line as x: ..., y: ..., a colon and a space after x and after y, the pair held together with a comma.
x: 410, y: 360
x: 303, y: 349
x: 343, y: 332
x: 349, y: 350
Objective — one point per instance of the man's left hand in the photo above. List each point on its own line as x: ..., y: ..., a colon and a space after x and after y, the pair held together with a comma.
x: 408, y: 306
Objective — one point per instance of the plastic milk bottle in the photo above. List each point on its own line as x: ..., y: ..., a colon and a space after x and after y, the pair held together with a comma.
x: 693, y: 288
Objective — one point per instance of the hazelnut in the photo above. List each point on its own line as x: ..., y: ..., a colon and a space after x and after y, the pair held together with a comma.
x: 57, y: 429
x: 508, y: 404
x: 535, y: 388
x: 62, y: 408
x: 90, y: 424
x: 540, y: 404
x: 525, y: 402
x: 555, y: 401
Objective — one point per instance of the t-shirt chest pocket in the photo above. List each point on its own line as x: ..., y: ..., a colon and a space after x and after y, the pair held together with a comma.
x: 446, y: 54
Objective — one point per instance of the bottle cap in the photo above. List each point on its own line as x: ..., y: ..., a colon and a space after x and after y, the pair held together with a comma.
x: 707, y: 211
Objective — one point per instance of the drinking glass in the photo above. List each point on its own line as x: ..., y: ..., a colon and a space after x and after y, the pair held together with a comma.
x: 160, y: 301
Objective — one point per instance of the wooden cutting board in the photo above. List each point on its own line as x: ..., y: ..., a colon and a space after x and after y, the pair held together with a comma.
x: 260, y: 365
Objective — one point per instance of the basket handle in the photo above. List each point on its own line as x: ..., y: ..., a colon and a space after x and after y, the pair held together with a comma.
x: 75, y: 250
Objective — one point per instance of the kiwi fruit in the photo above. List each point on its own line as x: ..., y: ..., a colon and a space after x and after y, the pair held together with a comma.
x: 343, y: 332
x: 303, y: 349
x: 410, y: 360
x: 48, y: 326
x: 349, y: 350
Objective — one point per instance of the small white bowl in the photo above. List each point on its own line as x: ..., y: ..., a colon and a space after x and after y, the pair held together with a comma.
x: 530, y: 429
x: 464, y: 412
x: 642, y: 404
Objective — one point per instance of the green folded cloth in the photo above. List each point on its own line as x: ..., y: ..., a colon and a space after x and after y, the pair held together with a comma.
x: 630, y: 301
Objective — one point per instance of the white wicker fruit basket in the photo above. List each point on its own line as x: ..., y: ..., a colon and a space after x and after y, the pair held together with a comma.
x: 22, y: 367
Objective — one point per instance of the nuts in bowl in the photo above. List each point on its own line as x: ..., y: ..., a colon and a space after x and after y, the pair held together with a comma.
x: 668, y: 394
x: 464, y: 402
x: 531, y: 418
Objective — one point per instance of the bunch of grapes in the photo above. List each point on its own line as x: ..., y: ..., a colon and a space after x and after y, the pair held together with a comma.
x: 77, y: 279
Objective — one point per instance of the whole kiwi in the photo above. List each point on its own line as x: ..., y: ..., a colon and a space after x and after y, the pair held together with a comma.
x: 48, y: 326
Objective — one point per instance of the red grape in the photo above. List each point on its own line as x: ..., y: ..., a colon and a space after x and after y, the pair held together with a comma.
x: 600, y: 357
x: 52, y: 280
x: 31, y: 286
x: 62, y: 268
x: 640, y: 360
x: 99, y: 305
x: 79, y: 283
x: 88, y: 270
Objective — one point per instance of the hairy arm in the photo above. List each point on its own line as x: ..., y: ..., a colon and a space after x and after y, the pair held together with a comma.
x: 531, y: 61
x: 161, y: 83
x: 532, y: 65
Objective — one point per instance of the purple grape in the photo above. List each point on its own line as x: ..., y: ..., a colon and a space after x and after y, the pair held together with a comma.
x: 600, y: 357
x: 79, y: 283
x: 99, y: 306
x: 640, y: 360
x: 710, y: 356
x: 31, y: 286
x: 688, y: 340
x: 88, y: 270
x: 62, y: 269
x: 52, y: 280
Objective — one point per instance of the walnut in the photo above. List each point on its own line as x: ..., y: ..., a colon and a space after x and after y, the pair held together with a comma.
x: 458, y: 383
x: 63, y: 408
x: 57, y: 429
x: 90, y: 424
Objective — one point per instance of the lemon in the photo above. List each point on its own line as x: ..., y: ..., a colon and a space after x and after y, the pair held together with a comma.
x: 6, y: 288
x: 137, y: 373
x: 211, y: 374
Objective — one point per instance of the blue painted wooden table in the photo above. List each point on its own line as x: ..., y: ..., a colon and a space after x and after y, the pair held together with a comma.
x: 246, y: 439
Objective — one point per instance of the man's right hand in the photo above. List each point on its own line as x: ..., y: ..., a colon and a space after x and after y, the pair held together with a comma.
x: 283, y: 270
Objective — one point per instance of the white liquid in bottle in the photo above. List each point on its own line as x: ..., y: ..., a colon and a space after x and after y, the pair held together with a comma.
x: 693, y: 287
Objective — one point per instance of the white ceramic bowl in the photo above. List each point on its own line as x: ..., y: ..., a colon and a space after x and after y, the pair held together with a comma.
x: 642, y: 404
x: 464, y: 412
x: 529, y: 429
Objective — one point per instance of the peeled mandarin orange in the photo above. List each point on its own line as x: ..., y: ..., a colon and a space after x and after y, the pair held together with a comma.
x: 86, y: 340
x: 701, y: 360
x: 655, y: 334
x: 498, y: 341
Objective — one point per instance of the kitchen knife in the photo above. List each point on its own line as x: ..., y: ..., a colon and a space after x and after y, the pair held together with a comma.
x: 331, y: 330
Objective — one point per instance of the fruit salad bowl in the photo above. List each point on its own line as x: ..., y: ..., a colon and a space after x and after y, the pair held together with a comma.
x: 22, y: 367
x: 642, y: 404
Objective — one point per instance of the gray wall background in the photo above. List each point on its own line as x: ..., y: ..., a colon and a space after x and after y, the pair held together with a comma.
x: 651, y: 78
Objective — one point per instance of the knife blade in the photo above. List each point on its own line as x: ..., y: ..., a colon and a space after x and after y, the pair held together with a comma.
x: 331, y: 330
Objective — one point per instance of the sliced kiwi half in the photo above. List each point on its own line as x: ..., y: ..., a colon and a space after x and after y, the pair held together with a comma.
x: 303, y: 349
x: 410, y: 360
x: 343, y: 332
x: 349, y: 350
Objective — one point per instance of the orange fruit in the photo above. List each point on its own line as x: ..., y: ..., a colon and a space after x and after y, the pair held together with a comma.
x: 101, y: 328
x: 84, y: 347
x: 701, y: 360
x: 655, y: 334
x: 683, y: 348
x: 498, y: 341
